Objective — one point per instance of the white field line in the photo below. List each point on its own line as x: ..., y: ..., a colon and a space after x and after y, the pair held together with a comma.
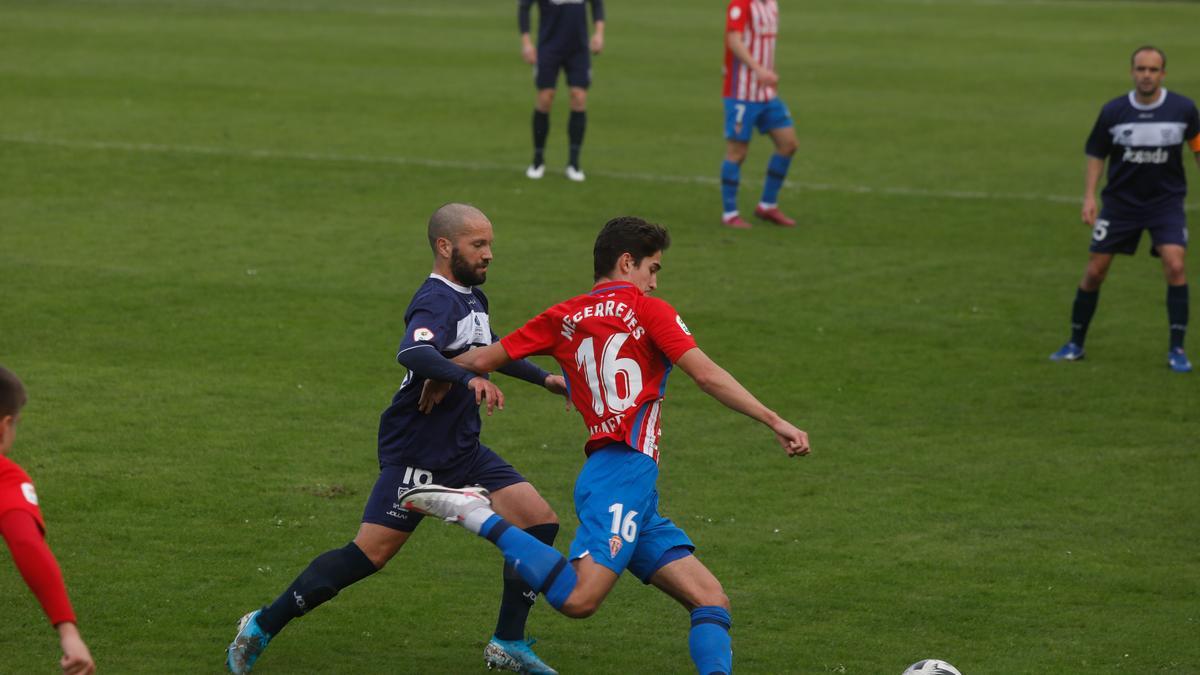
x: 392, y: 160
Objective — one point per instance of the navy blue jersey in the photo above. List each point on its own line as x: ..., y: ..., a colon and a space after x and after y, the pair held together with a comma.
x: 562, y: 24
x: 1144, y: 148
x: 450, y: 319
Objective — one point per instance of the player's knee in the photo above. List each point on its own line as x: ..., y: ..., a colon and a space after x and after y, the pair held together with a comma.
x: 580, y: 608
x: 1175, y: 272
x: 787, y: 148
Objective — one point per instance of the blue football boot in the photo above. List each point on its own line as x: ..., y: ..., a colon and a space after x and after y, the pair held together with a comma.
x: 515, y: 655
x: 1068, y: 352
x: 1178, y: 361
x: 246, y: 647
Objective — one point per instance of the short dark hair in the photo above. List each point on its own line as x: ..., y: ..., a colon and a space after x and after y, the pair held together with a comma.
x: 12, y: 393
x: 1148, y: 48
x: 627, y: 234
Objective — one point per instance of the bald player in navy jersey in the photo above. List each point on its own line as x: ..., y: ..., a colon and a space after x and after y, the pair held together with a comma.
x: 421, y: 444
x: 562, y: 45
x: 1143, y: 135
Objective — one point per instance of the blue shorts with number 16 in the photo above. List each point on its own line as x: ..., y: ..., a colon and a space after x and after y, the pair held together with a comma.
x: 743, y: 116
x: 619, y: 524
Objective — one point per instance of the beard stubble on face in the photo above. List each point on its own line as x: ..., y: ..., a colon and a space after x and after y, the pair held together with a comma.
x: 464, y: 272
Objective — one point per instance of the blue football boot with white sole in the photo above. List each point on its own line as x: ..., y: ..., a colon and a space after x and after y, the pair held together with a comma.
x: 246, y: 647
x: 515, y: 655
x: 1178, y: 361
x: 1068, y: 352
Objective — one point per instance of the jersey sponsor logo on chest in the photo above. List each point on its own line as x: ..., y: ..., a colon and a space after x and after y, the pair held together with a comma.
x: 602, y: 309
x: 1155, y: 156
x: 1148, y: 134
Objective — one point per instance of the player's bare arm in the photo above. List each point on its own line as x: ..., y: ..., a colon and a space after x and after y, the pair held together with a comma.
x: 528, y: 51
x: 484, y: 360
x: 738, y: 47
x: 718, y: 383
x: 76, y: 659
x: 597, y: 44
x: 1095, y: 167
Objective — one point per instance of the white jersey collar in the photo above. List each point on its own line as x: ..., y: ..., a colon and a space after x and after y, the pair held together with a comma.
x: 451, y: 284
x: 1162, y: 96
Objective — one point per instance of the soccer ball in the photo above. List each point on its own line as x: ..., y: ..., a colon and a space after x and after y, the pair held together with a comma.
x: 931, y: 667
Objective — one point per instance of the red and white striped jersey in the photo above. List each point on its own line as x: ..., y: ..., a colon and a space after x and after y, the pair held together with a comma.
x: 616, y: 347
x: 758, y: 22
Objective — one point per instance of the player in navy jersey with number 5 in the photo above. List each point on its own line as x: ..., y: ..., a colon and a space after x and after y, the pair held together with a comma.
x: 617, y: 345
x: 1142, y: 135
x: 418, y: 444
x: 752, y: 102
x: 562, y: 45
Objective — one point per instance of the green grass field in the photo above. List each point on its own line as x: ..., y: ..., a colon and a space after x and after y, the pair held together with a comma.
x: 212, y: 218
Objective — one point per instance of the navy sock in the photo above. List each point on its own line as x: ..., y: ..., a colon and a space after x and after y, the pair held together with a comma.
x: 731, y: 173
x: 576, y: 125
x: 777, y: 169
x: 709, y: 641
x: 518, y: 596
x: 1177, y: 313
x: 1081, y: 313
x: 327, y: 574
x: 543, y: 568
x: 541, y: 129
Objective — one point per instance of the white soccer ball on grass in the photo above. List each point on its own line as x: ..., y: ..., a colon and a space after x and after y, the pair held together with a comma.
x: 931, y: 667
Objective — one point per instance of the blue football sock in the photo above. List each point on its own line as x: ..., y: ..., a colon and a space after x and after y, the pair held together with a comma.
x: 709, y: 640
x: 731, y: 174
x: 543, y: 568
x: 777, y: 170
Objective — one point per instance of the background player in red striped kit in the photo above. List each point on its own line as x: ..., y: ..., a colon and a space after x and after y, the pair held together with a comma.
x: 24, y: 531
x: 752, y: 102
x: 617, y: 346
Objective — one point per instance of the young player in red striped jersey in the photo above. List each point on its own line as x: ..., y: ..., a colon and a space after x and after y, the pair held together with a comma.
x: 24, y: 531
x: 751, y: 101
x: 616, y: 346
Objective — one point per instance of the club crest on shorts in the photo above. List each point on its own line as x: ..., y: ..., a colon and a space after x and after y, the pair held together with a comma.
x: 614, y: 545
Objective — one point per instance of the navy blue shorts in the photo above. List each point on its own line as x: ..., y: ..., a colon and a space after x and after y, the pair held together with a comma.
x: 1121, y: 234
x: 578, y: 65
x: 484, y: 468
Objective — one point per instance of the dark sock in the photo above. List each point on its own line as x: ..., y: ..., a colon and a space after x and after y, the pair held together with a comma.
x: 576, y: 125
x: 1177, y: 313
x: 327, y: 574
x: 518, y: 597
x: 1081, y: 313
x: 541, y: 128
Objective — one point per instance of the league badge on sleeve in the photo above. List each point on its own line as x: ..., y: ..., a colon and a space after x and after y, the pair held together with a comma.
x: 30, y: 493
x: 682, y: 325
x: 422, y: 335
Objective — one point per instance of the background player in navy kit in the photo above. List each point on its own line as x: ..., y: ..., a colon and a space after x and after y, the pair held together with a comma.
x: 617, y: 347
x: 1142, y: 135
x: 562, y: 44
x: 447, y: 316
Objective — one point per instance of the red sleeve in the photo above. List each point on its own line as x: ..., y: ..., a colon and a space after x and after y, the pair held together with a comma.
x: 537, y: 336
x: 37, y: 564
x: 737, y: 15
x: 666, y: 328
